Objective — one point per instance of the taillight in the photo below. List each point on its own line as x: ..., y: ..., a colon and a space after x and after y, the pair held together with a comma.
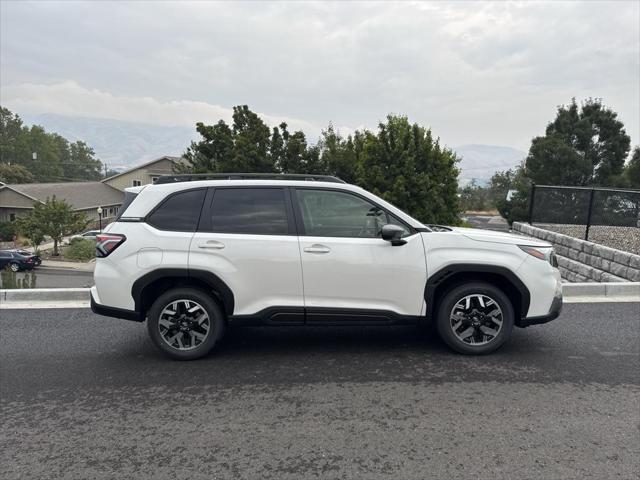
x: 107, y: 243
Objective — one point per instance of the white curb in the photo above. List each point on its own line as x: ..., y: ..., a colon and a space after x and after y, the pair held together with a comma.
x: 79, y: 297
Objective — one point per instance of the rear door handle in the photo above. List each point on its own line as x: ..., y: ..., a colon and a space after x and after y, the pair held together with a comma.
x: 317, y: 248
x: 213, y: 244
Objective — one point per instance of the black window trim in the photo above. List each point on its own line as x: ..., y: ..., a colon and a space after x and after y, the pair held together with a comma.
x: 147, y: 217
x: 300, y: 222
x: 205, y: 226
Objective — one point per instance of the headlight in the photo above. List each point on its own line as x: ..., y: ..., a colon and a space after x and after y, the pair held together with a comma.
x: 543, y: 253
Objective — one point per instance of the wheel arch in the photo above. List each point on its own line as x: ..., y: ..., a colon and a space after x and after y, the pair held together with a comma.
x: 457, y: 274
x: 149, y: 286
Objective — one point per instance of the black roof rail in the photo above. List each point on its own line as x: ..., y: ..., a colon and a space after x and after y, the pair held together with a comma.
x: 192, y: 177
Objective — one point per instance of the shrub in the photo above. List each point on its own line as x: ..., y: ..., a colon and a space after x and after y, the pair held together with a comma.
x: 81, y: 249
x: 7, y: 231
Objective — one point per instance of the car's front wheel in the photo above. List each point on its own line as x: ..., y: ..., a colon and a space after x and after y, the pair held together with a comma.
x: 475, y: 318
x: 185, y: 323
x: 14, y: 267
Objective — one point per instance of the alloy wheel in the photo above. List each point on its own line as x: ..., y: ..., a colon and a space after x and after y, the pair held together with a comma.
x: 476, y: 319
x: 184, y: 324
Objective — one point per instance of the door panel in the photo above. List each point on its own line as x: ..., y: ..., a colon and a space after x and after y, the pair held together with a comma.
x: 262, y: 271
x: 247, y: 238
x: 345, y: 262
x: 364, y: 273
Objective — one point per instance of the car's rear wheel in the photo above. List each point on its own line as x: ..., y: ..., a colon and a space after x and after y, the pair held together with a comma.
x: 14, y: 266
x: 475, y: 318
x: 185, y: 323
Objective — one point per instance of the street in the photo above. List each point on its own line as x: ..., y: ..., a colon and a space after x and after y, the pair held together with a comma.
x: 87, y: 397
x: 487, y: 222
x: 59, y: 277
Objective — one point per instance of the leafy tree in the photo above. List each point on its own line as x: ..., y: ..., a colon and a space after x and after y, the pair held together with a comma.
x: 339, y: 155
x: 81, y: 163
x: 55, y: 218
x: 582, y: 146
x: 252, y: 139
x: 15, y: 174
x: 474, y: 197
x: 55, y: 158
x: 551, y: 161
x: 14, y: 142
x: 510, y: 193
x: 402, y: 162
x: 405, y: 165
x: 632, y: 170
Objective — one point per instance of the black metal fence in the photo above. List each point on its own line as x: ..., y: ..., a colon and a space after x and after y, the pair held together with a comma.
x: 580, y: 209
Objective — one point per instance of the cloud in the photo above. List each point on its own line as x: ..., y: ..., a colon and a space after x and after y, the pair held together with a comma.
x: 476, y: 72
x: 69, y: 98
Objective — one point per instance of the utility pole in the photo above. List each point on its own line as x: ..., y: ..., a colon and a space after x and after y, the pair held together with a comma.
x: 105, y: 170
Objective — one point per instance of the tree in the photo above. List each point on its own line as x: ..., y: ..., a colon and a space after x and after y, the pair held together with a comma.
x: 339, y: 155
x: 474, y: 197
x: 402, y: 162
x: 510, y: 193
x: 15, y: 174
x: 47, y: 156
x: 252, y: 139
x: 631, y: 173
x: 81, y: 163
x: 54, y: 218
x: 582, y: 146
x: 405, y: 165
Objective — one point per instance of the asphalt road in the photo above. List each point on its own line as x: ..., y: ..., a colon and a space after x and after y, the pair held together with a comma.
x: 86, y: 397
x: 487, y: 222
x: 59, y: 277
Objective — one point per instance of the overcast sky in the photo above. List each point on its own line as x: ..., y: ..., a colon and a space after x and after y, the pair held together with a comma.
x: 489, y: 73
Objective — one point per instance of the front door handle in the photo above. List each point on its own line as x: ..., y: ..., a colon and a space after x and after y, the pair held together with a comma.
x: 213, y: 244
x: 317, y: 248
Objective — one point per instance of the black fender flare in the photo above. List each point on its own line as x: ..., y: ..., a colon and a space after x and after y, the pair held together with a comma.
x: 442, y: 275
x: 207, y: 277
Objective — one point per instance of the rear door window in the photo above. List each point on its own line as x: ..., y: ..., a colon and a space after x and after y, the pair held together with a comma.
x: 180, y: 212
x: 259, y: 211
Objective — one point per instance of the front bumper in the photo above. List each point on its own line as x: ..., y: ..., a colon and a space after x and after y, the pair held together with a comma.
x: 554, y: 312
x: 115, y: 312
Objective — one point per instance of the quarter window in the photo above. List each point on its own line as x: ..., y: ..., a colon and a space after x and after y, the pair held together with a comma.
x: 259, y: 211
x: 337, y: 214
x: 180, y: 212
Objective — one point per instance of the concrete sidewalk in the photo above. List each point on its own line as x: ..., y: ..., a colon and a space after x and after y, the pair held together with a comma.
x: 81, y: 266
x: 79, y: 297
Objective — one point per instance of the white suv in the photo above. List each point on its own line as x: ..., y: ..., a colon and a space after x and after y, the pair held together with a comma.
x: 194, y: 253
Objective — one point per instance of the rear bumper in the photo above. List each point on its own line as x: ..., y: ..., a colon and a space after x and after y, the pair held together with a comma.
x: 554, y: 312
x: 115, y: 312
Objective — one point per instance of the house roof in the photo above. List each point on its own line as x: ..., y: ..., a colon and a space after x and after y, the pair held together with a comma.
x: 144, y: 165
x: 80, y: 195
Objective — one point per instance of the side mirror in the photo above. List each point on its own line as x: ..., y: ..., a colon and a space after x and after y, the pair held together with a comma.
x: 393, y: 233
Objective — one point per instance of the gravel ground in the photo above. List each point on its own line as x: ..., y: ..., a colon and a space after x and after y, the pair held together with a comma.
x: 622, y: 238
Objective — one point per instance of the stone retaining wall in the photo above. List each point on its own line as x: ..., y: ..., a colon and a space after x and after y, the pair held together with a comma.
x: 582, y: 261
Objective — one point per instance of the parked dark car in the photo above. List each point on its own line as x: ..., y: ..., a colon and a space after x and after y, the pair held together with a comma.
x: 36, y: 258
x: 16, y: 261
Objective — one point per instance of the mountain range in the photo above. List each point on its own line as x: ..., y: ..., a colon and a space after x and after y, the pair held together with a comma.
x: 122, y: 144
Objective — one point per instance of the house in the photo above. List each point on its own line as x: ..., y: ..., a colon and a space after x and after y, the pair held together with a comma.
x: 18, y: 199
x: 143, y: 174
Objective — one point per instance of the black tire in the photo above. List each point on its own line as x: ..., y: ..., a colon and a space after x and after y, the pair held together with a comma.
x: 446, y: 325
x: 14, y: 267
x: 208, y: 304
